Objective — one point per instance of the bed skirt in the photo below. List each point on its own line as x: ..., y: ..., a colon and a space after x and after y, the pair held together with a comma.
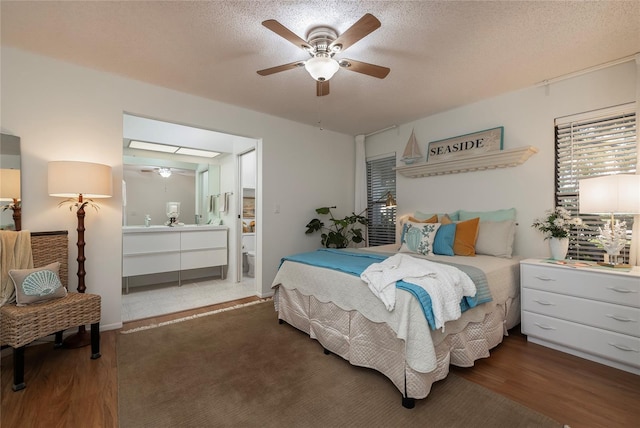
x: 375, y: 345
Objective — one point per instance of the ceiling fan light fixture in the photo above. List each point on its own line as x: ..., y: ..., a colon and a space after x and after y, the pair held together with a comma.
x: 164, y: 172
x: 321, y: 67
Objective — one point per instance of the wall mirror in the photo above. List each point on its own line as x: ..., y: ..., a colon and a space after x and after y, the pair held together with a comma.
x: 10, y: 180
x: 167, y: 163
x: 150, y: 183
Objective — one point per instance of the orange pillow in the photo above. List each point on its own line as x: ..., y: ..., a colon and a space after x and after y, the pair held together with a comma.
x: 464, y: 244
x: 432, y: 219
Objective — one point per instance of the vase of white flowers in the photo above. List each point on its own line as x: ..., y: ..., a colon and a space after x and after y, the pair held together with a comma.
x: 556, y: 225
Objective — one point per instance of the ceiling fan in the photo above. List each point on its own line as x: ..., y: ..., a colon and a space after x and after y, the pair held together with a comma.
x: 322, y: 44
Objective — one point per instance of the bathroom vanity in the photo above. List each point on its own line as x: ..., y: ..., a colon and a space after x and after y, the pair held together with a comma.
x: 157, y: 249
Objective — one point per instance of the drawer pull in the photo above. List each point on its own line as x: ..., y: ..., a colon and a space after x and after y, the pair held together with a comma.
x: 544, y: 302
x: 619, y: 318
x: 544, y: 278
x: 547, y: 327
x: 623, y: 347
x: 622, y: 290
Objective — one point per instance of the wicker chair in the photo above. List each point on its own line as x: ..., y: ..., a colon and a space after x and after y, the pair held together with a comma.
x: 21, y: 325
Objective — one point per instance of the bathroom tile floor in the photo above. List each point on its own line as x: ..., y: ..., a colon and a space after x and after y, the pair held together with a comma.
x: 154, y: 300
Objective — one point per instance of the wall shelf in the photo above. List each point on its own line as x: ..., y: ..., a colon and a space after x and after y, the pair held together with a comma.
x: 490, y: 160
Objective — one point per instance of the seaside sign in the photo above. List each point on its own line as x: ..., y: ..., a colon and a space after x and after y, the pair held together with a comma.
x: 465, y: 146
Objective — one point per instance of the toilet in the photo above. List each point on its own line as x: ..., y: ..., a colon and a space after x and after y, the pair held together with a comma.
x: 248, y: 253
x: 251, y: 256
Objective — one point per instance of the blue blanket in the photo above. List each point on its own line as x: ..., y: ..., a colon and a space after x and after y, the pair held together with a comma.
x: 354, y: 262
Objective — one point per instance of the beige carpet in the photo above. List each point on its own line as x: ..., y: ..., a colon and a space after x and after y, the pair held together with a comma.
x: 241, y: 368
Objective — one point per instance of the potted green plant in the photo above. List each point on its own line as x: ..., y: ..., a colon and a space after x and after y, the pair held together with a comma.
x: 341, y: 232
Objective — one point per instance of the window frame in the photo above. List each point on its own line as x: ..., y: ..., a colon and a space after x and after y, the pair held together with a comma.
x: 381, y: 178
x: 592, y: 144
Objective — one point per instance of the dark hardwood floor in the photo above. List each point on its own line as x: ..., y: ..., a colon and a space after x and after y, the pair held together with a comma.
x: 67, y: 389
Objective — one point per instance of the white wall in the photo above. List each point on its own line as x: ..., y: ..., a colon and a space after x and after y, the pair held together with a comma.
x: 62, y: 111
x: 528, y: 119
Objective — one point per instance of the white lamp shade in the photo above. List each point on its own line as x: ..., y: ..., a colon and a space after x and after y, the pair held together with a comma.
x: 617, y: 194
x: 9, y: 184
x: 321, y: 68
x: 68, y: 179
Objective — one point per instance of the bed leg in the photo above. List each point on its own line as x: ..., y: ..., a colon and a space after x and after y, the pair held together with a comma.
x: 408, y: 403
x: 326, y: 351
x: 280, y: 321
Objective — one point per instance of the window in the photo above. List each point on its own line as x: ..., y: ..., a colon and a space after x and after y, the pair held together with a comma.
x: 592, y: 144
x: 381, y: 179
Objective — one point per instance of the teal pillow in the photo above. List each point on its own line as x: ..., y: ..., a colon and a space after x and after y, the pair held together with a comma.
x: 422, y: 216
x: 497, y: 215
x: 443, y: 243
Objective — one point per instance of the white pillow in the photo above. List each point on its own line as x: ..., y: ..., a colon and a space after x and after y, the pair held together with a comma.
x: 418, y: 237
x: 495, y: 238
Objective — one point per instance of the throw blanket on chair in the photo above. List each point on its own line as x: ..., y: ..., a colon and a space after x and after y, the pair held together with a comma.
x: 15, y: 253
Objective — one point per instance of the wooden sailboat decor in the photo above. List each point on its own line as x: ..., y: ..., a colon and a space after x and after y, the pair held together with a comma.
x: 411, y: 151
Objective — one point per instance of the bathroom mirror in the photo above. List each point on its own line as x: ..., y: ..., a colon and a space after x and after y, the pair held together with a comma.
x: 149, y: 183
x: 10, y: 180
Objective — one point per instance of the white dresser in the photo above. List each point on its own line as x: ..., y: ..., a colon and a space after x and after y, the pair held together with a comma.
x: 157, y: 249
x: 591, y: 312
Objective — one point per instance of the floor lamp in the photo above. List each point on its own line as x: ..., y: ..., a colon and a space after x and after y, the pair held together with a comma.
x: 10, y: 191
x: 79, y: 182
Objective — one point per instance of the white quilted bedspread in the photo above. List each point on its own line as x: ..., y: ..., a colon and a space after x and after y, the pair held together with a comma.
x: 407, y: 319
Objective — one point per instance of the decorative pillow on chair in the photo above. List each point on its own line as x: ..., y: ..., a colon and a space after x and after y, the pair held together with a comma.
x: 466, y: 235
x: 418, y: 237
x: 37, y: 285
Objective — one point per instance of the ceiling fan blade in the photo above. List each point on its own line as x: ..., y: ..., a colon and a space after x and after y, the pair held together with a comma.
x: 365, y: 26
x: 279, y: 68
x: 364, y: 68
x: 322, y: 88
x: 285, y: 33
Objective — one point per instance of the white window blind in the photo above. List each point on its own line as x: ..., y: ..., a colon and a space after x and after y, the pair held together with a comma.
x: 592, y: 144
x: 381, y: 178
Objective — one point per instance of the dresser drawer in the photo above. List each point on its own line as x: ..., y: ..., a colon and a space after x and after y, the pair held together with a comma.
x: 590, y: 284
x: 608, y: 316
x: 606, y: 344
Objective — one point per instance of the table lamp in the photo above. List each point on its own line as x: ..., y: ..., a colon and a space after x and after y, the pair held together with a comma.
x: 611, y: 194
x: 10, y: 191
x: 76, y: 181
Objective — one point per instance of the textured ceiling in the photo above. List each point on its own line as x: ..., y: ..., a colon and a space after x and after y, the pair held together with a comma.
x: 442, y: 54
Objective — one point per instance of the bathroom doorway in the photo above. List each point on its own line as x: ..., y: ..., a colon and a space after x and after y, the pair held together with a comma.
x: 206, y: 190
x: 247, y: 162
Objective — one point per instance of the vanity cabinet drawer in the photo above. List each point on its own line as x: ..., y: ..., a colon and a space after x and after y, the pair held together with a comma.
x: 140, y: 243
x: 143, y: 264
x: 194, y: 240
x: 617, y: 318
x: 195, y: 259
x: 601, y: 343
x: 589, y: 284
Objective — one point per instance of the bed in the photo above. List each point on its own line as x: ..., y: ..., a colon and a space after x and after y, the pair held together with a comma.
x: 338, y: 310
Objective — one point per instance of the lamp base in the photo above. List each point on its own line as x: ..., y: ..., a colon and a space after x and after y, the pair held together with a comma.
x: 77, y: 340
x: 613, y: 265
